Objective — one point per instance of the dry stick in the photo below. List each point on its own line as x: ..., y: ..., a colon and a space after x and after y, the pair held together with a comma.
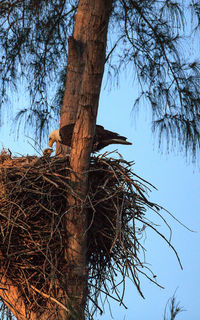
x: 119, y: 194
x: 51, y: 298
x: 162, y: 236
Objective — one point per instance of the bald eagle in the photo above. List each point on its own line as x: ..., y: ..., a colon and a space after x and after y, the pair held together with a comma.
x: 102, y: 137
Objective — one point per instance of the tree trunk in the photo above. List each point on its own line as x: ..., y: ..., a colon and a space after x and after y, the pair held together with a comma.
x: 14, y: 300
x: 86, y: 61
x: 75, y: 67
x: 90, y: 37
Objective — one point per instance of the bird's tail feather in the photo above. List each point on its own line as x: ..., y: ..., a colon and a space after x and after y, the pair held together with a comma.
x: 117, y: 141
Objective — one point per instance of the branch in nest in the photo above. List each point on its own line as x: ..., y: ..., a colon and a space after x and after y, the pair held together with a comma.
x: 33, y: 213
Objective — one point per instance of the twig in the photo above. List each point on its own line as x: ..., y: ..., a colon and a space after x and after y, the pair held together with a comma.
x: 51, y: 298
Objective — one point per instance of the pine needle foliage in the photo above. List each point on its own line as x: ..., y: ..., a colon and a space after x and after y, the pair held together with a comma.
x: 33, y: 42
x: 149, y: 37
x: 172, y: 309
x: 153, y: 36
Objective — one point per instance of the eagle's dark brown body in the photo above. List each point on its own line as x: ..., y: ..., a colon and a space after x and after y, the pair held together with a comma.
x: 102, y: 137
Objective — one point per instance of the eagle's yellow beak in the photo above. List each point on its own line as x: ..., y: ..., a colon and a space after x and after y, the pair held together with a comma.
x: 50, y: 143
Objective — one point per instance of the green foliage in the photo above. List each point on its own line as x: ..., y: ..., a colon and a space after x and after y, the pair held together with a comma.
x: 149, y: 36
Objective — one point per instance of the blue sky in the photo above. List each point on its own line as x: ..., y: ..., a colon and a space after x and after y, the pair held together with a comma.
x: 178, y: 191
x: 178, y: 184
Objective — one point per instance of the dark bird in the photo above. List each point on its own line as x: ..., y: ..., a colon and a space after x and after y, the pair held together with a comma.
x: 47, y: 152
x: 102, y: 137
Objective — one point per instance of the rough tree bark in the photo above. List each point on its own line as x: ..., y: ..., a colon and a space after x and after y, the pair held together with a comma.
x: 86, y: 61
x: 14, y: 300
x: 12, y: 297
x: 89, y: 43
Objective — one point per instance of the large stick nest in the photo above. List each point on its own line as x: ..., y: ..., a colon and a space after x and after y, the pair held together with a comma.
x: 33, y: 206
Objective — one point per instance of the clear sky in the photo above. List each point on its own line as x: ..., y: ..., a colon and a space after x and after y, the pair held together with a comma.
x: 178, y: 185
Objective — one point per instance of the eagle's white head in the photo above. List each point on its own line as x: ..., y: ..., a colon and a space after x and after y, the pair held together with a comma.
x: 54, y: 137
